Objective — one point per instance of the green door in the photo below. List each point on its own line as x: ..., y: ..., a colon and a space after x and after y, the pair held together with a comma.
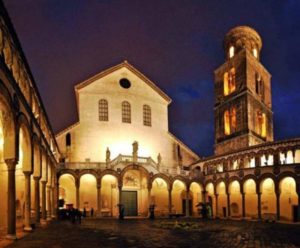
x: 129, y: 199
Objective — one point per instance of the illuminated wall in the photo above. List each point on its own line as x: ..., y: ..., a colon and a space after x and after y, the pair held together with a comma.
x: 91, y: 137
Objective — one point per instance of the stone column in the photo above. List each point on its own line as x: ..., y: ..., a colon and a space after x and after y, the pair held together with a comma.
x: 277, y: 204
x: 228, y: 205
x: 259, y: 205
x: 243, y: 205
x: 204, y: 196
x: 44, y: 212
x: 27, y: 226
x: 170, y: 200
x: 53, y: 201
x: 11, y: 199
x: 149, y: 195
x: 298, y: 193
x: 99, y: 200
x: 187, y: 203
x: 217, y: 205
x: 49, y: 211
x: 37, y: 199
x: 120, y: 193
x: 77, y: 185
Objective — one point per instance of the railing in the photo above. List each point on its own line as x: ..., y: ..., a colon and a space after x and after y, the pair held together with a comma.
x: 82, y: 165
x: 120, y: 159
x: 286, y: 152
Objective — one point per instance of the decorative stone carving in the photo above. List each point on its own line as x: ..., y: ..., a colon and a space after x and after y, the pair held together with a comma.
x: 135, y: 147
x: 257, y: 171
x: 241, y: 173
x: 276, y: 170
x: 107, y: 155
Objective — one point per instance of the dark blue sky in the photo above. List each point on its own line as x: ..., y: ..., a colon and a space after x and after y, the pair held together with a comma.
x: 177, y: 44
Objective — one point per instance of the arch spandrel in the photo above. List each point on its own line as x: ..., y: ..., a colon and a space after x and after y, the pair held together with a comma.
x: 162, y: 176
x: 25, y: 143
x: 8, y: 122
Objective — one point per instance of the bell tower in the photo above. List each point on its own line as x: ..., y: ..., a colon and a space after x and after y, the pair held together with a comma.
x: 243, y: 108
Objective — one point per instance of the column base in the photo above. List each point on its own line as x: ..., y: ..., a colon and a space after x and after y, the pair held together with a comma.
x: 27, y: 229
x: 11, y: 236
x: 44, y: 222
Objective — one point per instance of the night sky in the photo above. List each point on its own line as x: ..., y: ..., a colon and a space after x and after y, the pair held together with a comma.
x: 177, y: 44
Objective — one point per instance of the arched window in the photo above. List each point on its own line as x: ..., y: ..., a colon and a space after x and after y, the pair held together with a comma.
x: 261, y: 123
x: 147, y: 115
x: 231, y: 51
x: 126, y: 112
x: 225, y: 81
x: 230, y: 123
x: 68, y: 139
x: 259, y: 85
x: 229, y: 82
x: 103, y: 110
x: 233, y: 119
x: 226, y: 122
x: 254, y: 51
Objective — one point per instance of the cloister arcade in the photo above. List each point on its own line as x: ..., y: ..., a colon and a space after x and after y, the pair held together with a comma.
x: 28, y: 151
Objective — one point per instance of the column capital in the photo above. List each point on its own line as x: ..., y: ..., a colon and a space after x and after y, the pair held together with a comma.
x: 27, y: 173
x: 37, y: 178
x: 44, y: 183
x: 11, y: 164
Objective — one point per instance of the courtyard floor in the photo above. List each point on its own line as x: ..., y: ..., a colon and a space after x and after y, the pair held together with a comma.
x: 161, y: 233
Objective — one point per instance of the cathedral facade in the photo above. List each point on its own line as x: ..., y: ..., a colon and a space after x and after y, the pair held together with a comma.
x: 121, y: 153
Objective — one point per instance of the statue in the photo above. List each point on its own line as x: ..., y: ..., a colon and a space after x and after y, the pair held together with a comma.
x: 107, y: 155
x: 135, y: 147
x: 159, y: 158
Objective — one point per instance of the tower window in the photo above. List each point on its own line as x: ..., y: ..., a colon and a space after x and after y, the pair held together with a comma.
x: 226, y: 122
x: 147, y: 115
x: 254, y: 51
x: 261, y: 123
x: 230, y: 123
x: 259, y: 85
x: 231, y: 51
x: 229, y: 82
x: 68, y: 139
x: 126, y: 112
x: 103, y: 110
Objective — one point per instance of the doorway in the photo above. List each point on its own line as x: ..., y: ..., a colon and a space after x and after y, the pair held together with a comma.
x: 129, y: 200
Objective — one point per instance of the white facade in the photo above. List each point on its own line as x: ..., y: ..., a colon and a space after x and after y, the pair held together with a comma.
x: 91, y: 137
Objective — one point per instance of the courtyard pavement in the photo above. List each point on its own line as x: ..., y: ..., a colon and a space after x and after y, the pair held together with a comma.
x: 141, y: 233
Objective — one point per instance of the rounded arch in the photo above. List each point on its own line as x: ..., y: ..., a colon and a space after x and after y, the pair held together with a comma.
x: 67, y: 171
x: 265, y: 176
x: 195, y: 189
x: 162, y: 176
x: 88, y: 190
x: 180, y: 178
x: 218, y: 181
x: 109, y: 172
x: 288, y: 197
x: 287, y: 174
x: 109, y: 181
x: 197, y: 182
x: 25, y: 143
x: 134, y: 167
x: 37, y: 165
x: 88, y: 171
x: 8, y: 124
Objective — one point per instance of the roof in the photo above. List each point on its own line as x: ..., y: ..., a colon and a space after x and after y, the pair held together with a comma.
x: 189, y: 150
x: 115, y: 68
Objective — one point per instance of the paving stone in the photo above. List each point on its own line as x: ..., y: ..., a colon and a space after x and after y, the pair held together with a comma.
x: 143, y: 233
